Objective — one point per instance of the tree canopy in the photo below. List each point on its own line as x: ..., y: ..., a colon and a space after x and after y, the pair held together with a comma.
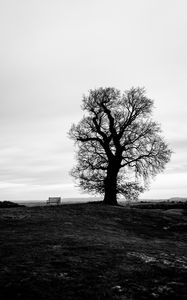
x: 120, y: 147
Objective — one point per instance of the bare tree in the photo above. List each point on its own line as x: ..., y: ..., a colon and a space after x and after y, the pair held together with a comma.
x: 119, y: 146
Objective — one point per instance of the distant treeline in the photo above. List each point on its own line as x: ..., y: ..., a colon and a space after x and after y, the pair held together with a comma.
x: 9, y: 204
x: 161, y: 205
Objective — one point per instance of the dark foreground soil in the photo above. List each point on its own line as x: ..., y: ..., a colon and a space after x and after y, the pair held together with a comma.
x: 89, y: 251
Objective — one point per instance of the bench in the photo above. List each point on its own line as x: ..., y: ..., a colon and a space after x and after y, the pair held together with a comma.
x: 53, y: 201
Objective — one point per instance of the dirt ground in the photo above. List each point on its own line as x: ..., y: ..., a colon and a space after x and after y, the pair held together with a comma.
x: 90, y: 251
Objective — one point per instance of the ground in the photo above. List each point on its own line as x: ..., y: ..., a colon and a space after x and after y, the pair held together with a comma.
x: 90, y: 251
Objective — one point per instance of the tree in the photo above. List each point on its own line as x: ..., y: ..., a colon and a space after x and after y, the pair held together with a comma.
x: 119, y: 146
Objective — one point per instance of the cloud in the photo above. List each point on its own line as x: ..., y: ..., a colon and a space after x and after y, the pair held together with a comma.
x: 27, y: 192
x: 39, y: 153
x: 36, y: 167
x: 167, y: 186
x: 53, y: 52
x: 179, y: 144
x: 5, y: 185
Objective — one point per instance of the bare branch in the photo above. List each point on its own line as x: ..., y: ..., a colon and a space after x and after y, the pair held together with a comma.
x: 117, y: 136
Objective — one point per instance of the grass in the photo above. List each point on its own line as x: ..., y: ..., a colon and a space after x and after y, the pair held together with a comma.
x: 90, y: 251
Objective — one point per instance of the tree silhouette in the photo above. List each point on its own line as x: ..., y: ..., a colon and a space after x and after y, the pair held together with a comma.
x: 119, y: 146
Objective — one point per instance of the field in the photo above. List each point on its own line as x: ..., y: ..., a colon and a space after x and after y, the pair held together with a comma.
x: 90, y: 251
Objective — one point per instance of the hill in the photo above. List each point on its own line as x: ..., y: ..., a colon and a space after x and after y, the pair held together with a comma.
x: 90, y: 251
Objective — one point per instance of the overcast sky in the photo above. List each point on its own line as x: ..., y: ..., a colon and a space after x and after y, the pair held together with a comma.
x: 54, y: 51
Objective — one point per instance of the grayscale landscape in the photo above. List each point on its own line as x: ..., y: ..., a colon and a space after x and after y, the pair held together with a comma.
x: 93, y: 150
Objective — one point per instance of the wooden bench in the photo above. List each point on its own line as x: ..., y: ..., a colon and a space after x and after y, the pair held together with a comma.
x: 54, y: 201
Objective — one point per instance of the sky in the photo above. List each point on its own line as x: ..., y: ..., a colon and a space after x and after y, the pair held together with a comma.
x: 52, y: 52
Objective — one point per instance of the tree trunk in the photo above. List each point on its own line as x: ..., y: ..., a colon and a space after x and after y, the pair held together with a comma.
x: 110, y: 197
